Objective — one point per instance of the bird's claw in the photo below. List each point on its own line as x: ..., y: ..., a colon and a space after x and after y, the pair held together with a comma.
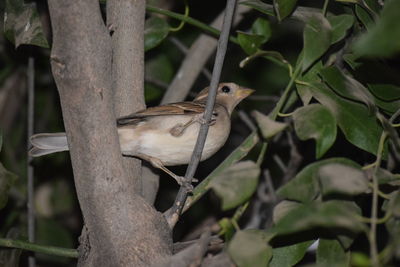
x: 201, y: 120
x: 182, y: 181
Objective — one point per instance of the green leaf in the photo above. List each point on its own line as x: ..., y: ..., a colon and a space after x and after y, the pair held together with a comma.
x: 240, y: 152
x: 262, y: 27
x: 7, y: 179
x: 283, y: 208
x: 337, y: 178
x: 360, y: 259
x: 340, y: 25
x: 351, y: 60
x: 364, y: 16
x: 268, y: 127
x: 373, y: 5
x: 331, y: 254
x: 316, y: 38
x: 348, y: 87
x: 304, y: 187
x: 383, y: 38
x: 386, y: 96
x: 260, y: 33
x: 227, y: 228
x: 249, y: 248
x: 289, y: 255
x: 22, y: 24
x: 236, y: 184
x: 249, y: 42
x: 317, y: 122
x: 386, y: 92
x: 312, y: 75
x: 284, y: 8
x: 259, y: 6
x: 386, y: 177
x: 304, y: 93
x: 359, y: 128
x: 155, y: 31
x: 329, y: 214
x: 273, y: 56
x: 346, y: 239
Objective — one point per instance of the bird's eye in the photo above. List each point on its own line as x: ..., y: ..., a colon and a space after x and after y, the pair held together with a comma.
x: 226, y: 89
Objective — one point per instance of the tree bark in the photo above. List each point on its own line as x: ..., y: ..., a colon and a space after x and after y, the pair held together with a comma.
x: 121, y: 229
x: 125, y: 21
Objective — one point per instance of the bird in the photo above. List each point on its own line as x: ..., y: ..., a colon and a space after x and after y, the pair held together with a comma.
x: 165, y: 135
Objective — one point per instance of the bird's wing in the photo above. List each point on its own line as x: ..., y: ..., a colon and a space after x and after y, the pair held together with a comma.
x: 181, y: 108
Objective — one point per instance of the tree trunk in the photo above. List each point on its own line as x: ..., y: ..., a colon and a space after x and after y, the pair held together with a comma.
x: 121, y: 229
x: 125, y: 21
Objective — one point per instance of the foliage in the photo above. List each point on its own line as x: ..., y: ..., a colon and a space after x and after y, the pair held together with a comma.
x: 330, y: 143
x: 323, y: 196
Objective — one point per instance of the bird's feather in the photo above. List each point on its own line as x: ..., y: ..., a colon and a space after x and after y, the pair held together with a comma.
x: 181, y: 108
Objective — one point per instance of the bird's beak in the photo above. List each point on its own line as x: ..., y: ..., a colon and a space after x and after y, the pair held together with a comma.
x: 243, y: 93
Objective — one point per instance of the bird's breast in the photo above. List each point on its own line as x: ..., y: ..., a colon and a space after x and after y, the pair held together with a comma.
x: 158, y: 142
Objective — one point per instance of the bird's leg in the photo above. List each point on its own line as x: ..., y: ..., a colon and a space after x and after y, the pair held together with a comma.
x: 179, y: 129
x: 199, y: 118
x: 179, y: 179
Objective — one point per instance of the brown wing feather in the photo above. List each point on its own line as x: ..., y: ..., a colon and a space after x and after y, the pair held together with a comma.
x: 181, y: 108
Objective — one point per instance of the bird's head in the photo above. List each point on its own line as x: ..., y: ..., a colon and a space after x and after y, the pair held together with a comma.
x: 228, y: 95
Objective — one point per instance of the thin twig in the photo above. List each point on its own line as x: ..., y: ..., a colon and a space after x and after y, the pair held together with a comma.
x: 219, y: 59
x: 196, y: 59
x: 394, y: 116
x: 30, y: 189
x: 285, y: 94
x: 156, y: 82
x: 270, y: 186
x: 325, y: 7
x: 190, y: 21
x: 374, y: 207
x: 375, y: 192
x: 179, y: 246
x: 49, y: 250
x: 294, y: 162
x: 280, y: 163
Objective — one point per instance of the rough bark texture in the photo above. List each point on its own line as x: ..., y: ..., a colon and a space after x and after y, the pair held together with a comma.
x: 121, y: 229
x: 125, y: 21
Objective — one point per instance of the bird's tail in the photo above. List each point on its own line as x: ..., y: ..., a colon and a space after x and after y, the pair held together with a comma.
x: 47, y: 143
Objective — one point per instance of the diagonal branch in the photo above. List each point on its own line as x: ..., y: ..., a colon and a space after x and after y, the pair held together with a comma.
x: 176, y: 209
x: 197, y: 56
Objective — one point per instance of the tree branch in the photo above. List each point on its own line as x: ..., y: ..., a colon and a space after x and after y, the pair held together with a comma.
x: 125, y: 21
x: 194, y: 62
x: 30, y: 176
x: 120, y: 225
x: 49, y: 250
x: 201, y: 139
